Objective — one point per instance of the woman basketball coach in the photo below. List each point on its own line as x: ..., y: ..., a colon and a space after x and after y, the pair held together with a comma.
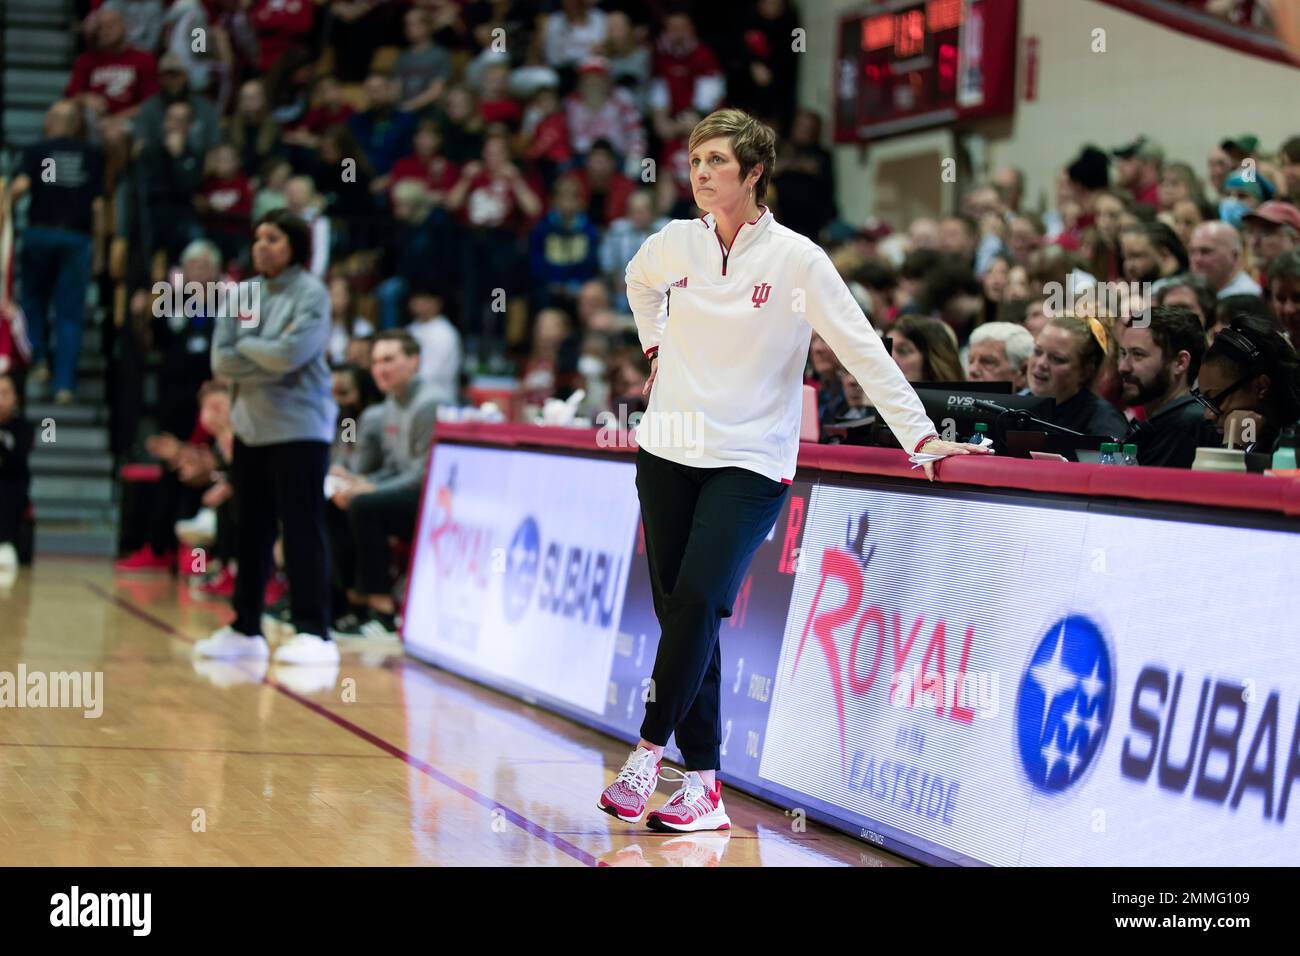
x: 725, y: 306
x: 284, y: 419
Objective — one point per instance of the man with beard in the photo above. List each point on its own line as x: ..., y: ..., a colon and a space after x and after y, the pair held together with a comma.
x: 1158, y: 362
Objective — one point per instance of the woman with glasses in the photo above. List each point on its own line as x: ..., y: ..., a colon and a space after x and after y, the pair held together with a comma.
x: 1250, y: 384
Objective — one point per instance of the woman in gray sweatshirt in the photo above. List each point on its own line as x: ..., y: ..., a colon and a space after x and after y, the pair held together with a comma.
x: 273, y: 351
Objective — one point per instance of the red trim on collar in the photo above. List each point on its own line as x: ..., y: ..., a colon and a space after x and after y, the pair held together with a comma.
x: 763, y: 210
x: 751, y: 222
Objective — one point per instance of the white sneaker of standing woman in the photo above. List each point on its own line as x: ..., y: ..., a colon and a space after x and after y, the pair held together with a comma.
x: 228, y: 644
x: 307, y: 649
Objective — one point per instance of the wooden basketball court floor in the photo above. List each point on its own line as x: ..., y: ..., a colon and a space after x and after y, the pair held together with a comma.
x: 391, y: 762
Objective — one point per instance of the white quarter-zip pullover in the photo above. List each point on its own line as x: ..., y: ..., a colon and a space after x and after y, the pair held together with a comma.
x: 732, y: 327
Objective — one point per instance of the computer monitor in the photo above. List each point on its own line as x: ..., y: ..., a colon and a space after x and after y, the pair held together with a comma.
x: 955, y: 411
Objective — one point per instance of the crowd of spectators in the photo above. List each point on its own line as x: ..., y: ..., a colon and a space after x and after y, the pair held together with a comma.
x: 476, y: 175
x: 1090, y: 301
x: 495, y: 154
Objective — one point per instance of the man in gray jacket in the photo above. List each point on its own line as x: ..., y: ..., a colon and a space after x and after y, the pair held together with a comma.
x: 284, y: 415
x: 383, y: 497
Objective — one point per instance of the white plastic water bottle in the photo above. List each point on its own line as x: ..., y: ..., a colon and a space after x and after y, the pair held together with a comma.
x: 1108, y: 450
x: 1130, y: 456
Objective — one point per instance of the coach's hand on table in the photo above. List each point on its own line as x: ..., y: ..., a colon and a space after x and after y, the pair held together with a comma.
x: 944, y: 449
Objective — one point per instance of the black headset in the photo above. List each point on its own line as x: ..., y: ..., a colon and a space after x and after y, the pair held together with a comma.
x: 1236, y: 343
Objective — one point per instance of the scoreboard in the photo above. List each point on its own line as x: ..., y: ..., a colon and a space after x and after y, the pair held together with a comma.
x: 908, y: 65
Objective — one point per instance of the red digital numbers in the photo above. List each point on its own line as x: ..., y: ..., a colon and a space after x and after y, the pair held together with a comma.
x: 909, y: 34
x: 877, y: 32
x: 942, y: 14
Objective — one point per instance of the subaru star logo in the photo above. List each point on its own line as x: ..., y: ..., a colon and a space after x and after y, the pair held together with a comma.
x: 1065, y: 704
x: 522, y: 560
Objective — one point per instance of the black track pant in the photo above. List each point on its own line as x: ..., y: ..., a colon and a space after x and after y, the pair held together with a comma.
x: 13, y: 505
x: 702, y: 527
x: 286, y: 482
x: 173, y: 501
x: 373, y: 517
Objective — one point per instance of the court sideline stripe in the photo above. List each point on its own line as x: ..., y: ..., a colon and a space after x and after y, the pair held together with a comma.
x: 43, y: 745
x: 518, y: 819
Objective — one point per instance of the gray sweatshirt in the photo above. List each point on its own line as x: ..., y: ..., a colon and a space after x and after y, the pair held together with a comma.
x: 393, y: 437
x: 281, y: 379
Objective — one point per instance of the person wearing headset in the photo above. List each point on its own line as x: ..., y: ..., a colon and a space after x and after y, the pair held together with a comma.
x: 1249, y: 384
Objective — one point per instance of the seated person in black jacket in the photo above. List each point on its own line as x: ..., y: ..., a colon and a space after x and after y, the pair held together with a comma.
x: 1068, y: 354
x: 1158, y: 361
x: 184, y: 339
x: 15, y: 476
x: 1250, y: 384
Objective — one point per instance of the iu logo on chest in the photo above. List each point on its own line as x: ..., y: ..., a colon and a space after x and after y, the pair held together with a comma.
x: 723, y: 296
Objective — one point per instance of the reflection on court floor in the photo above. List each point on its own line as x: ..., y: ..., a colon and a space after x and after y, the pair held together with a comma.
x: 384, y: 761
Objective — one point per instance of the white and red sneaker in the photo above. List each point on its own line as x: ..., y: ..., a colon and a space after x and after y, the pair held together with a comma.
x: 627, y: 796
x: 693, y: 807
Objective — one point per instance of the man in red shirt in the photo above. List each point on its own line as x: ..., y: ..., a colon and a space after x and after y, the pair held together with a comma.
x: 492, y: 193
x: 493, y: 200
x: 279, y: 25
x: 427, y: 164
x: 1138, y: 168
x: 110, y: 82
x: 686, y: 74
x: 225, y: 202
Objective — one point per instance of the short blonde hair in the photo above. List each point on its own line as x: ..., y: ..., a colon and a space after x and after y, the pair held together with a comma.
x: 753, y: 143
x: 1094, y: 335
